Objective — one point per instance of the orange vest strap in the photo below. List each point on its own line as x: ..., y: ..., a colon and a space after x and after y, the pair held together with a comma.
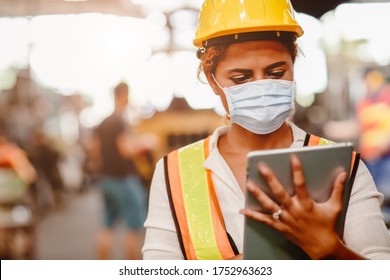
x: 312, y: 140
x: 225, y: 244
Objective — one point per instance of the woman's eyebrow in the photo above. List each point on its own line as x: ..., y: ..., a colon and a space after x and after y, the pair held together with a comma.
x: 274, y: 65
x: 267, y: 68
x: 240, y: 70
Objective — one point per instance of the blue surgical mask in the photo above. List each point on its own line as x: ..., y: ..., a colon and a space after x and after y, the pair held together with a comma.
x: 260, y: 106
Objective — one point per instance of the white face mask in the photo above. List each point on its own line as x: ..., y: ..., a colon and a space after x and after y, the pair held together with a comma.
x: 261, y: 106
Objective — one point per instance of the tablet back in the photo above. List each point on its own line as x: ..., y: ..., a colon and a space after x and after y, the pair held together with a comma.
x: 321, y: 164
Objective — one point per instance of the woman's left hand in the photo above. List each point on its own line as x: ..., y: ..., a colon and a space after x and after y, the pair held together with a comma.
x: 306, y: 223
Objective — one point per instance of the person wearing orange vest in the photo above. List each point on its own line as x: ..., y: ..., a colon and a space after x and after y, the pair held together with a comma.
x: 373, y: 116
x: 247, y: 50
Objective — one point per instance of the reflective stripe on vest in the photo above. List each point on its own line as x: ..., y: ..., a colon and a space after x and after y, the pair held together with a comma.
x: 198, y: 218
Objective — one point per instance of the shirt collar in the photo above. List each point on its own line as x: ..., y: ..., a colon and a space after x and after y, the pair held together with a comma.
x: 299, y: 135
x: 216, y: 163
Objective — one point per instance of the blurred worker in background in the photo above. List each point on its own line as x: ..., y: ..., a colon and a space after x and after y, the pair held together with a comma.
x: 123, y: 193
x: 13, y: 157
x: 247, y: 50
x: 45, y: 157
x: 17, y: 221
x: 373, y: 113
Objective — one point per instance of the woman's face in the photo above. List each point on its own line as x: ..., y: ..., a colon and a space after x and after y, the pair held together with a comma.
x: 251, y: 61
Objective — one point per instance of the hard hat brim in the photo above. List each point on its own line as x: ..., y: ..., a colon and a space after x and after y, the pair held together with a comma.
x: 247, y: 36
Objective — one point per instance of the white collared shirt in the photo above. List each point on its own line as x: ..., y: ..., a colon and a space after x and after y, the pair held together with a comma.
x: 365, y: 232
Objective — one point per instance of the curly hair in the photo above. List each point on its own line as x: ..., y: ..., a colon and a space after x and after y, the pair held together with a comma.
x: 210, y: 59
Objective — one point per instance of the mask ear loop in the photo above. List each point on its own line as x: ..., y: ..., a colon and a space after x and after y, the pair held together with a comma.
x: 293, y: 93
x: 215, y: 80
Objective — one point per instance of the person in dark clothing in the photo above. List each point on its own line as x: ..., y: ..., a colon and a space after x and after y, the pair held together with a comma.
x: 50, y: 184
x: 123, y: 193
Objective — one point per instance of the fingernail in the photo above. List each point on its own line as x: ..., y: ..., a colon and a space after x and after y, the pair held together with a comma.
x: 344, y: 176
x: 294, y: 159
x: 263, y: 168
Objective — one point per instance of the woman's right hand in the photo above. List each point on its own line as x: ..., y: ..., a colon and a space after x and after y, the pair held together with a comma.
x: 305, y: 222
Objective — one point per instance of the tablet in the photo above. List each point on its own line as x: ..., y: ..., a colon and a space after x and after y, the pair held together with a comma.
x: 320, y: 165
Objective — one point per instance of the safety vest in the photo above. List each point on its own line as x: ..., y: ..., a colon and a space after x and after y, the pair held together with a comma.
x: 194, y: 204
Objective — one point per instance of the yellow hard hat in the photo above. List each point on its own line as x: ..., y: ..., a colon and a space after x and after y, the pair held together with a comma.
x: 226, y: 17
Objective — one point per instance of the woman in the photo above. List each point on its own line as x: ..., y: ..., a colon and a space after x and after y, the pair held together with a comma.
x: 247, y: 51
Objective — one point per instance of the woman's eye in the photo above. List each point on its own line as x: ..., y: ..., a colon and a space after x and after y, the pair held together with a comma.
x: 241, y: 79
x: 275, y: 75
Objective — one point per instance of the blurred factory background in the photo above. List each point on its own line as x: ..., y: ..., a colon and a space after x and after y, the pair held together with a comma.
x: 60, y: 60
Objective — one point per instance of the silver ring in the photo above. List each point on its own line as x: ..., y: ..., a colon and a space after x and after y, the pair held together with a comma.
x: 277, y: 214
